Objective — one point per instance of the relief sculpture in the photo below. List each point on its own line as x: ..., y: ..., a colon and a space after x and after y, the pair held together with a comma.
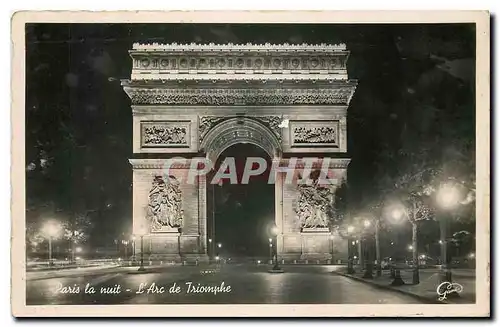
x: 319, y: 135
x: 314, y: 205
x: 159, y: 134
x: 165, y: 204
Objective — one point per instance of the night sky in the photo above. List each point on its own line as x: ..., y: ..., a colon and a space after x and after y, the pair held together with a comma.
x: 416, y: 90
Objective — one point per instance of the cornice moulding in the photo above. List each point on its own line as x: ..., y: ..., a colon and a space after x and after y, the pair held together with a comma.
x: 212, y: 47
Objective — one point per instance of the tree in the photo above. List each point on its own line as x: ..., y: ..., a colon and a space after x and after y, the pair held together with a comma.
x: 77, y: 230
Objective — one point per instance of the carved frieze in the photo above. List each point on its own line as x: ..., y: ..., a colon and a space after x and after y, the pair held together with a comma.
x: 164, y: 210
x: 193, y: 96
x: 200, y: 63
x: 165, y: 134
x: 314, y: 133
x: 272, y: 122
x: 309, y: 135
x: 229, y: 58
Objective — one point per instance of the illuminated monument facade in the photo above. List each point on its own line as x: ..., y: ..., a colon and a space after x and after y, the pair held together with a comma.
x: 193, y: 101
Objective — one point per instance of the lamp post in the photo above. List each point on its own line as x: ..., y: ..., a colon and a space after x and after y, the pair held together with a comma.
x: 274, y: 232
x: 378, y: 258
x: 133, y: 249
x: 350, y: 264
x: 331, y: 247
x: 368, y: 265
x: 210, y: 249
x: 74, y: 235
x: 125, y: 244
x: 141, y: 234
x: 271, y: 251
x: 51, y: 230
x: 447, y: 197
x: 397, y: 216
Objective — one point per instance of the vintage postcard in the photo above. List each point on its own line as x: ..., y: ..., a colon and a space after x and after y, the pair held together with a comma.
x: 257, y: 164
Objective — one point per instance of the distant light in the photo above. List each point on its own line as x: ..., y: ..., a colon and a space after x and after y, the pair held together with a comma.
x: 350, y: 229
x: 78, y: 249
x: 77, y: 258
x: 392, y: 243
x: 270, y: 240
x: 367, y: 223
x: 390, y: 259
x: 274, y: 230
x: 258, y: 261
x: 355, y: 257
x: 119, y: 259
x: 210, y: 240
x: 440, y: 241
x: 353, y: 242
x: 410, y: 247
x: 270, y: 245
x: 397, y: 214
x: 448, y: 196
x: 472, y: 255
x: 52, y: 228
x: 219, y: 245
x: 217, y: 258
x: 422, y: 256
x: 357, y: 241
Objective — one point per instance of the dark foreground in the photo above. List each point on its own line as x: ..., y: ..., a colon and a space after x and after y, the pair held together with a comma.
x: 248, y: 284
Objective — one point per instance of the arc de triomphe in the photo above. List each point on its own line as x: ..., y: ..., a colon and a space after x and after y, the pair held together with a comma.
x: 193, y: 101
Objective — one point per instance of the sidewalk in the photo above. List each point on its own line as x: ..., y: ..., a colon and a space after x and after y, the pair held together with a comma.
x: 426, y: 290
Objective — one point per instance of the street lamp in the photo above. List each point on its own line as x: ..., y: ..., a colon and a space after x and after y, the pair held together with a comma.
x: 448, y: 197
x: 133, y: 249
x: 368, y: 254
x: 51, y: 230
x: 125, y: 243
x: 331, y: 237
x: 350, y: 264
x: 210, y: 249
x: 396, y: 215
x: 271, y: 252
x: 274, y: 233
x: 142, y: 231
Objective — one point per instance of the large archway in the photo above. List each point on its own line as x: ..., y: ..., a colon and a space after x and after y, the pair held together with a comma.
x: 252, y: 99
x: 240, y: 213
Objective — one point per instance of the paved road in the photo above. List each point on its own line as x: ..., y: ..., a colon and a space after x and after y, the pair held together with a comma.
x: 249, y: 284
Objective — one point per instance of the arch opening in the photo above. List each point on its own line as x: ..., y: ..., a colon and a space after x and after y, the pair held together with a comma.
x: 240, y: 213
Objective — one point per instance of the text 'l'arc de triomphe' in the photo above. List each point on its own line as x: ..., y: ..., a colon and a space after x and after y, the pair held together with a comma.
x: 192, y: 100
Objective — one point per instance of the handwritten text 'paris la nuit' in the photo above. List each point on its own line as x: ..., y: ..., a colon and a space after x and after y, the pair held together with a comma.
x: 146, y: 288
